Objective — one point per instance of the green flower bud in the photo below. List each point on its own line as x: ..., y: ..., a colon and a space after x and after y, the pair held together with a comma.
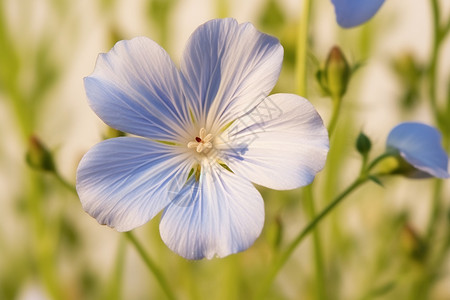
x: 38, y: 156
x: 363, y: 144
x: 337, y: 73
x: 409, y: 74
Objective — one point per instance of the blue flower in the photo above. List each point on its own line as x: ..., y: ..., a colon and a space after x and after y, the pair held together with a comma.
x: 351, y: 13
x: 201, y: 135
x: 420, y: 146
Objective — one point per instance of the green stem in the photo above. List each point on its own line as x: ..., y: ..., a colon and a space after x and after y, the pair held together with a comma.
x: 318, y: 253
x: 43, y: 240
x: 151, y: 265
x: 65, y: 183
x: 383, y: 156
x: 438, y: 36
x: 445, y: 29
x: 301, y: 78
x: 436, y: 211
x: 282, y: 259
x: 302, y: 48
x: 114, y: 288
x: 222, y: 9
x: 432, y: 71
x: 335, y: 114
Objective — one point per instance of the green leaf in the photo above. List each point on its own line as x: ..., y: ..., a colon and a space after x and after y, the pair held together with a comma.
x: 376, y: 180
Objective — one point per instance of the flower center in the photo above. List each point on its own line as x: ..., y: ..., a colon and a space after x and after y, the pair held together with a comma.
x: 202, y: 143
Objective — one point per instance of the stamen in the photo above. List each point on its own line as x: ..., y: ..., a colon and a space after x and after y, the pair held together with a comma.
x: 202, y: 133
x: 202, y: 143
x: 192, y: 145
x: 207, y: 138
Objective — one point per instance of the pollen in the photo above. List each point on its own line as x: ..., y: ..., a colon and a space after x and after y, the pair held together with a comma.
x: 202, y: 143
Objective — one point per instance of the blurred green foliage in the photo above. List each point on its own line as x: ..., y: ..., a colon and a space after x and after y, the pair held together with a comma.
x: 371, y: 248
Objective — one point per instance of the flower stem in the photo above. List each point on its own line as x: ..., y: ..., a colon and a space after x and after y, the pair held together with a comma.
x: 222, y: 8
x: 114, y: 287
x: 278, y: 264
x: 318, y: 253
x: 151, y: 265
x: 65, y: 183
x: 432, y: 70
x: 302, y: 48
x: 44, y: 238
x: 335, y: 114
x: 301, y: 78
x: 439, y: 33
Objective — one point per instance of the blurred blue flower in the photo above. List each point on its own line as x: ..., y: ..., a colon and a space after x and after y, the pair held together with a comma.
x: 208, y: 130
x: 420, y: 146
x: 351, y: 13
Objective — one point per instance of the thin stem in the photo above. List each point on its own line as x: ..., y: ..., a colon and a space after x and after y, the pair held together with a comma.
x: 335, y: 114
x: 301, y: 77
x: 302, y: 48
x: 43, y: 240
x: 151, y: 265
x: 432, y: 71
x: 282, y: 259
x: 318, y: 253
x: 436, y: 211
x: 114, y: 288
x: 438, y: 35
x: 222, y: 8
x: 445, y: 29
x: 65, y: 183
x: 379, y: 159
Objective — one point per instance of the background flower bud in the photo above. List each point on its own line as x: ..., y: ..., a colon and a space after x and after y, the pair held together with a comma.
x: 337, y: 73
x: 409, y: 72
x: 38, y: 156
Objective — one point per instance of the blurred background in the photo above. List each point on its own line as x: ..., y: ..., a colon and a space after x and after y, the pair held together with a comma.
x: 381, y: 243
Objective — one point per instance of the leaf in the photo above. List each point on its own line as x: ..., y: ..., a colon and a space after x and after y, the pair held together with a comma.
x: 376, y: 180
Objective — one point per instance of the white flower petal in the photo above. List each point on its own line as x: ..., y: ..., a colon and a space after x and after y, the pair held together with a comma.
x: 136, y: 88
x: 350, y: 13
x: 281, y: 144
x: 124, y: 182
x: 229, y: 68
x: 218, y: 215
x: 420, y: 145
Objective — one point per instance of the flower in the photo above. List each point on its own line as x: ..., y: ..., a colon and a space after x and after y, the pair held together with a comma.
x: 419, y: 146
x: 351, y: 13
x: 207, y: 130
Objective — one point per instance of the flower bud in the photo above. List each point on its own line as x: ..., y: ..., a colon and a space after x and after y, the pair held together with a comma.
x: 38, y: 156
x: 363, y: 144
x: 337, y: 73
x: 409, y: 73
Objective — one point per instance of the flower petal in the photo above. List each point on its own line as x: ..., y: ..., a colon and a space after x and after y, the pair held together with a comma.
x: 229, y: 67
x: 351, y: 13
x: 217, y: 215
x: 136, y: 88
x: 281, y: 144
x: 124, y: 182
x: 420, y: 145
